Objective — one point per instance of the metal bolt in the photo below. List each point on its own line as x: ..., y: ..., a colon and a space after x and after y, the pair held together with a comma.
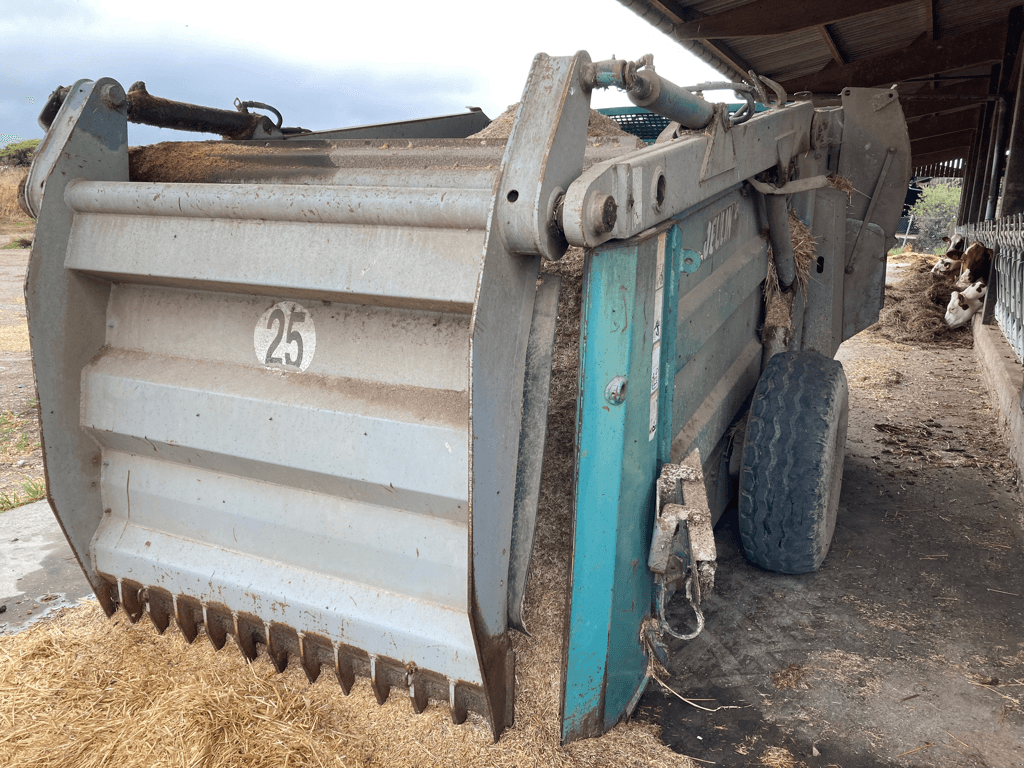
x: 615, y: 392
x: 113, y: 95
x: 604, y: 212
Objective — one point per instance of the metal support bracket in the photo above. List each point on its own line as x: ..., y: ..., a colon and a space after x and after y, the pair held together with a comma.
x: 683, y: 554
x: 875, y: 195
x: 549, y: 136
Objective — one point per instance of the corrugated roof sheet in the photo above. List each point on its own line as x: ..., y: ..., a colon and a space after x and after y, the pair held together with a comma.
x: 783, y: 57
x: 860, y: 37
x: 872, y: 34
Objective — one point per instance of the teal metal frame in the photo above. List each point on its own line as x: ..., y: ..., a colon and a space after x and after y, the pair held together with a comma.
x: 630, y: 294
x: 669, y: 320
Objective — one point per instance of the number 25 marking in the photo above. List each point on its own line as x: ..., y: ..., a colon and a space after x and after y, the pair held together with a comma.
x: 285, y: 337
x: 293, y: 336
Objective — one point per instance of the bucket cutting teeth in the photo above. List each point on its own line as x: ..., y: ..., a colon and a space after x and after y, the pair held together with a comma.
x: 282, y: 641
x: 161, y: 606
x: 313, y: 448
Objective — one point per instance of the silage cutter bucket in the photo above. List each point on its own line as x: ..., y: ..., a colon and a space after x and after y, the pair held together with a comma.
x: 300, y: 397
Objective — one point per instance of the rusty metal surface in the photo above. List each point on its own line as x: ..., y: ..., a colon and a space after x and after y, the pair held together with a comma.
x: 152, y: 110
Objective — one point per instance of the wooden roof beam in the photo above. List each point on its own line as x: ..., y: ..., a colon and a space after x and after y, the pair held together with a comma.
x: 758, y: 19
x: 725, y: 53
x: 826, y: 35
x: 947, y: 99
x: 923, y: 58
x: 664, y: 15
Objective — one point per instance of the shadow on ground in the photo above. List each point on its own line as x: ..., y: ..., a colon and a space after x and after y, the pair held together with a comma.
x: 907, y: 648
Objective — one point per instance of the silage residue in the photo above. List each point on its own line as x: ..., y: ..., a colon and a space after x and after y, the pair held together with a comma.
x: 82, y: 691
x: 599, y: 125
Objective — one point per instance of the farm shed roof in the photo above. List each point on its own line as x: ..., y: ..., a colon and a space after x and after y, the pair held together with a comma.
x: 949, y: 59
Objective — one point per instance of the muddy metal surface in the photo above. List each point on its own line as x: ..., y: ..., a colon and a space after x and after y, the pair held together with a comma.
x: 907, y: 648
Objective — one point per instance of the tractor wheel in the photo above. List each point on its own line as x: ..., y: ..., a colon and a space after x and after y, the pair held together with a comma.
x: 792, y: 462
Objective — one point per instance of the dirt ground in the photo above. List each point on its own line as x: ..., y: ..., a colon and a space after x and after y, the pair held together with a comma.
x: 21, y: 460
x: 907, y: 648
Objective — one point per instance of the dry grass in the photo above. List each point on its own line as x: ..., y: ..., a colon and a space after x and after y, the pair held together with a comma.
x: 81, y: 691
x: 843, y: 185
x: 778, y: 757
x: 849, y: 669
x: 792, y: 676
x: 10, y: 211
x: 915, y: 307
x: 872, y: 376
x: 803, y: 256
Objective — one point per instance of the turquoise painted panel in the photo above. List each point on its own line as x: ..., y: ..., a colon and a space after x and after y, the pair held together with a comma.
x: 617, y: 462
x: 638, y: 321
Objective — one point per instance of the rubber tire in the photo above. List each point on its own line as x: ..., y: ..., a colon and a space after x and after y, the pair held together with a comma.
x: 792, y: 463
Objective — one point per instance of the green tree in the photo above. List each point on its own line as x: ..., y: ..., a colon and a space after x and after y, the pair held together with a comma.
x: 20, y: 153
x: 934, y: 215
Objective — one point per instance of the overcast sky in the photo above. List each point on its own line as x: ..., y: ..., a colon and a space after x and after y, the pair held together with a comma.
x: 323, y: 66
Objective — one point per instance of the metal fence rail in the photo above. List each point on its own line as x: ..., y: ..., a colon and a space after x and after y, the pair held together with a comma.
x: 1006, y: 283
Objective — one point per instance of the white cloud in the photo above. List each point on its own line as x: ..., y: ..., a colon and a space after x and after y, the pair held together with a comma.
x: 324, y: 66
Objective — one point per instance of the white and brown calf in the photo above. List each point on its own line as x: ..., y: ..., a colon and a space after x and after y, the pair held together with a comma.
x: 954, y: 253
x: 976, y: 264
x: 964, y: 304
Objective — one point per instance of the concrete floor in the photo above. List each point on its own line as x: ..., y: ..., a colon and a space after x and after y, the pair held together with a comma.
x: 38, y: 572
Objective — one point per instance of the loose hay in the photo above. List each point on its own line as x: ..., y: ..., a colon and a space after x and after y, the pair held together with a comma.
x: 792, y: 676
x: 803, y: 256
x: 778, y: 757
x: 843, y: 184
x: 915, y: 309
x: 778, y: 304
x: 82, y: 691
x: 598, y: 125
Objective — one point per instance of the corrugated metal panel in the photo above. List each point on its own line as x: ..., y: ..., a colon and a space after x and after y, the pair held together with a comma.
x: 782, y: 57
x: 797, y: 54
x: 872, y: 34
x: 955, y: 17
x: 710, y: 7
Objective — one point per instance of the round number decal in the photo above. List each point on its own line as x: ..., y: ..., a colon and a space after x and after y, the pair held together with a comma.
x: 285, y: 337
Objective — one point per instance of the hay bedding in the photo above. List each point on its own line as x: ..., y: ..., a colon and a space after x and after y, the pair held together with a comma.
x: 915, y: 307
x: 82, y: 691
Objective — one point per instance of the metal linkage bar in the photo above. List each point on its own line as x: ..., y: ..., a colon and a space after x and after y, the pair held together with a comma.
x: 647, y: 89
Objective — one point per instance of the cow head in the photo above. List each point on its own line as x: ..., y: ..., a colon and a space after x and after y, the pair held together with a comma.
x: 977, y: 263
x: 946, y: 265
x: 954, y: 246
x: 962, y: 306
